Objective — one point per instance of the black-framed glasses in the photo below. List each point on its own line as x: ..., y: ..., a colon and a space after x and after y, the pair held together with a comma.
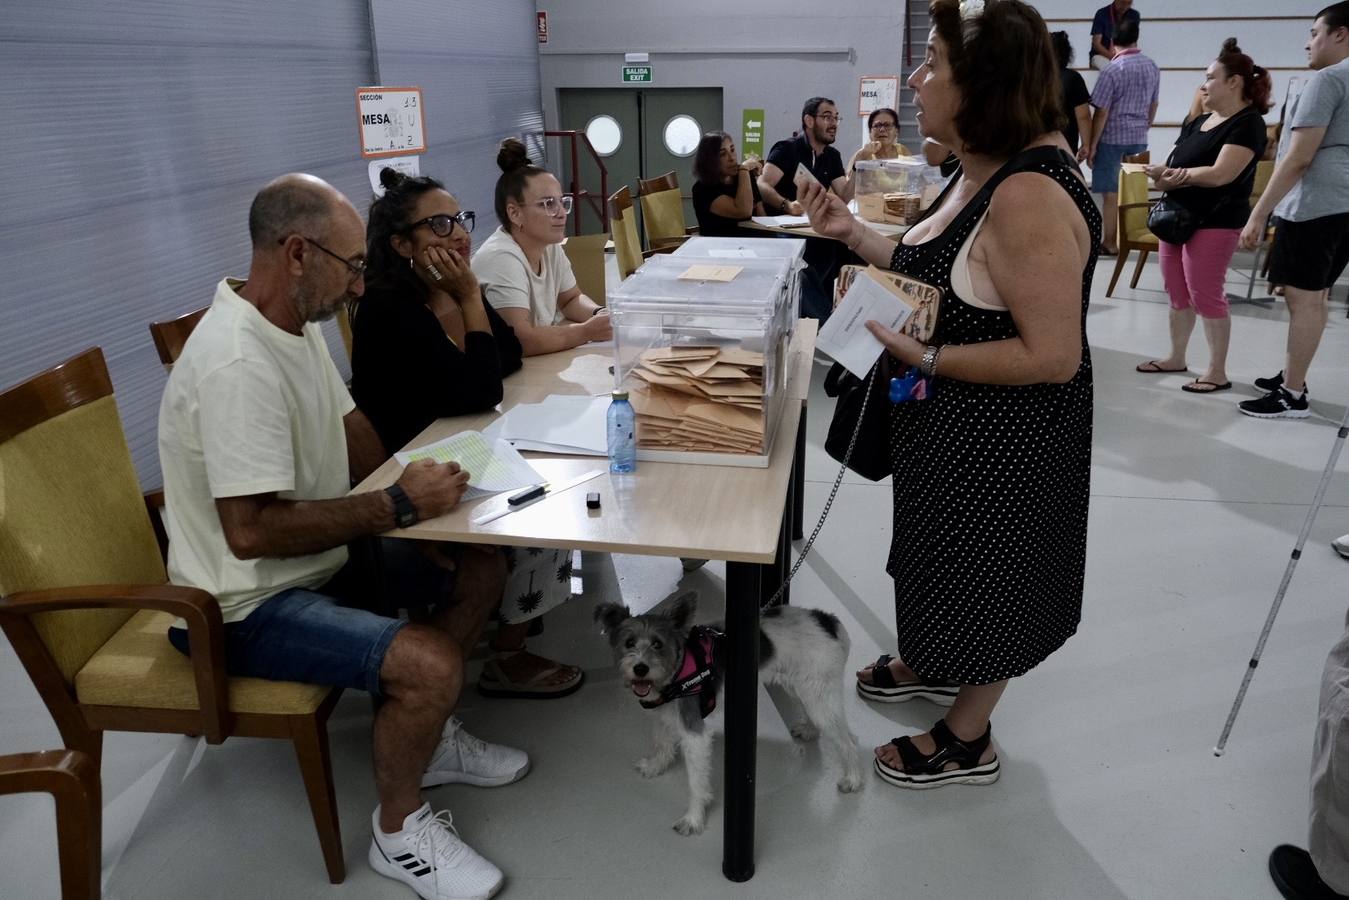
x: 442, y: 224
x: 554, y: 206
x: 357, y: 269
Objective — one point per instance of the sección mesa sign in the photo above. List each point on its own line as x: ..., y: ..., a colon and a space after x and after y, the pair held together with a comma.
x: 391, y: 121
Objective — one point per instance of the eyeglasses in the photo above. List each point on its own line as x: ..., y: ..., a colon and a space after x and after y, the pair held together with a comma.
x: 357, y: 268
x: 884, y: 125
x: 442, y: 224
x: 554, y: 206
x: 828, y: 117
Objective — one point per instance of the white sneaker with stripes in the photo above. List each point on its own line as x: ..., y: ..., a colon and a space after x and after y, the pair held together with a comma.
x: 461, y: 758
x: 429, y: 857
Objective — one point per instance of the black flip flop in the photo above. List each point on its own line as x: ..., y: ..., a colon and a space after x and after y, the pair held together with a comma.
x: 1212, y: 387
x: 1151, y: 368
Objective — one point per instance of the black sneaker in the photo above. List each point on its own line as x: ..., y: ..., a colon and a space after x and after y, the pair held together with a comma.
x: 1269, y: 384
x: 1277, y: 404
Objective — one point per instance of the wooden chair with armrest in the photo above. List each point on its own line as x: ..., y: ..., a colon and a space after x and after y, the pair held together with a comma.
x: 85, y: 603
x: 72, y: 780
x: 627, y: 246
x: 585, y: 252
x: 1133, y: 231
x: 170, y: 336
x: 663, y: 211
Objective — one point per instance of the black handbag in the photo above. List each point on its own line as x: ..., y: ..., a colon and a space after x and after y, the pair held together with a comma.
x: 1172, y: 222
x: 859, y: 432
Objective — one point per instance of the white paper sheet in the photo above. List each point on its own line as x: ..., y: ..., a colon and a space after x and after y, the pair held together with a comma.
x: 493, y: 465
x: 781, y: 221
x: 560, y: 424
x: 845, y: 336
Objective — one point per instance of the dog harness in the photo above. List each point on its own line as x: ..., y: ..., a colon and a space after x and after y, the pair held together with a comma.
x: 703, y: 652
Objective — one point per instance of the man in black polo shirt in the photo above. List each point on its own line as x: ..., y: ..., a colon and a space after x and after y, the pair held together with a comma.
x: 777, y: 185
x: 814, y: 149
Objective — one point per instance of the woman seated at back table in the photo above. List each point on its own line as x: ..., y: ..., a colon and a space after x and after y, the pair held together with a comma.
x: 524, y: 272
x: 883, y: 129
x: 725, y: 190
x: 426, y: 344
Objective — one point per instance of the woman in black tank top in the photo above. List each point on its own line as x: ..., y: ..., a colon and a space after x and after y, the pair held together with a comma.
x: 991, y: 472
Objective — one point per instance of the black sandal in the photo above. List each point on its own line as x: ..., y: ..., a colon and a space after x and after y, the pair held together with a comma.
x: 884, y: 689
x: 929, y: 771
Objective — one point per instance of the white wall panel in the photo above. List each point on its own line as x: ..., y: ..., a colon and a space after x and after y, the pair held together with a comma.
x: 136, y: 136
x: 478, y: 66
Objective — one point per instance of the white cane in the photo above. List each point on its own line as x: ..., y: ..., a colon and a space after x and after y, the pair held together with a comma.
x: 1283, y: 585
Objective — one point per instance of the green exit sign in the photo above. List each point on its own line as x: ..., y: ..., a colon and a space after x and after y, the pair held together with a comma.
x: 636, y: 74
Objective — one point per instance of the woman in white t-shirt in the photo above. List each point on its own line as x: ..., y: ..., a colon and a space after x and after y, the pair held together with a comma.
x: 522, y: 268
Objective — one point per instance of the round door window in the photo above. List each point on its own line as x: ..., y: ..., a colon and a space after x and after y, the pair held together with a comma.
x: 682, y: 134
x: 605, y: 134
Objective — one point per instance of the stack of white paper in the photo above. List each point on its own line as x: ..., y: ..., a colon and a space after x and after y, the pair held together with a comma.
x: 781, y: 221
x: 560, y: 424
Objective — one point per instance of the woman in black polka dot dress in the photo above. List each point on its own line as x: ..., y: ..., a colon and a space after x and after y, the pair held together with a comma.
x: 992, y: 471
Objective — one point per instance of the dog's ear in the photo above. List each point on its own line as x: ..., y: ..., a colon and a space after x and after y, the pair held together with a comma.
x: 609, y: 615
x: 682, y: 610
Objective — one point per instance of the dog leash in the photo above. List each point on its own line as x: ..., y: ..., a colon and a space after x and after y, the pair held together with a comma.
x: 824, y: 514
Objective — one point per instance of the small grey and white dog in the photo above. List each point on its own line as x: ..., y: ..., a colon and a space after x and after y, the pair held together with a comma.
x: 675, y: 671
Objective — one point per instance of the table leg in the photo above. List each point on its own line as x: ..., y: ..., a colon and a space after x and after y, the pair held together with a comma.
x: 777, y: 573
x: 743, y: 590
x: 798, y: 501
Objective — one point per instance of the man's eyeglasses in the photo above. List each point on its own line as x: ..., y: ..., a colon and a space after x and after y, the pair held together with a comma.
x: 828, y: 117
x: 554, y: 206
x: 441, y: 225
x: 357, y: 268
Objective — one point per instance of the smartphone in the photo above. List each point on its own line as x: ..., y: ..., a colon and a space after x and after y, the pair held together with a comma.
x: 803, y: 177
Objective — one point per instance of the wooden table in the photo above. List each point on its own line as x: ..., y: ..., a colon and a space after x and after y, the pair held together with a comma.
x: 746, y: 516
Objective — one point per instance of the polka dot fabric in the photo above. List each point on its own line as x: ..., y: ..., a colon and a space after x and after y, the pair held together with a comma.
x: 991, y: 484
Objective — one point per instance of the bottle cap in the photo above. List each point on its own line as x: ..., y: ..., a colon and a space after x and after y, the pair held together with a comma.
x: 620, y: 395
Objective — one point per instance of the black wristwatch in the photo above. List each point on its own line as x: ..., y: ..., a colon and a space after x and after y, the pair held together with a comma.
x: 404, y: 513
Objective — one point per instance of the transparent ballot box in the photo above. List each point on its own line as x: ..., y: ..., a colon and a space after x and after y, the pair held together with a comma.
x: 895, y: 191
x: 700, y: 344
x: 736, y: 248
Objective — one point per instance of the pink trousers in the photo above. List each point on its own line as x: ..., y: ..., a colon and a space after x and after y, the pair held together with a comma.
x: 1195, y: 273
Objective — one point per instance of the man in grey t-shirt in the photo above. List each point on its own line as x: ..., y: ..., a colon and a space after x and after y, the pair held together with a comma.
x: 1309, y: 197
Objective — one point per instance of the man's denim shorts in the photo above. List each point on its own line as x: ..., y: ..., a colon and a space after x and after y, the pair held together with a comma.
x: 320, y: 636
x: 1105, y: 172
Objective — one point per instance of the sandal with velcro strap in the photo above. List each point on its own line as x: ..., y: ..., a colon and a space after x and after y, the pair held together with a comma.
x: 922, y: 770
x: 884, y: 689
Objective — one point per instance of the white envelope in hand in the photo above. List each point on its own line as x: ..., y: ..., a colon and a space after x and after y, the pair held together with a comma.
x: 845, y: 336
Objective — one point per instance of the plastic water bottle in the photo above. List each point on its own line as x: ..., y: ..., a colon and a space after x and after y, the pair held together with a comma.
x: 622, y: 434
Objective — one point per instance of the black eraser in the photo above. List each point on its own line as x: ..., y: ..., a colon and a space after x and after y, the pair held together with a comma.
x: 593, y: 500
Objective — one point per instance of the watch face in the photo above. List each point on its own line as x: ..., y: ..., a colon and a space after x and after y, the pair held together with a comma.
x: 407, y: 519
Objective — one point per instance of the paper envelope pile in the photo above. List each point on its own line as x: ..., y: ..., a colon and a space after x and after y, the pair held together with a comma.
x: 706, y: 399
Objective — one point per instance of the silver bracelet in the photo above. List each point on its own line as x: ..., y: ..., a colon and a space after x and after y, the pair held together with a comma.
x: 928, y: 364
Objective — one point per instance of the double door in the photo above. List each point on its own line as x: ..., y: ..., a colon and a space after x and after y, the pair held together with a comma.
x: 646, y: 132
